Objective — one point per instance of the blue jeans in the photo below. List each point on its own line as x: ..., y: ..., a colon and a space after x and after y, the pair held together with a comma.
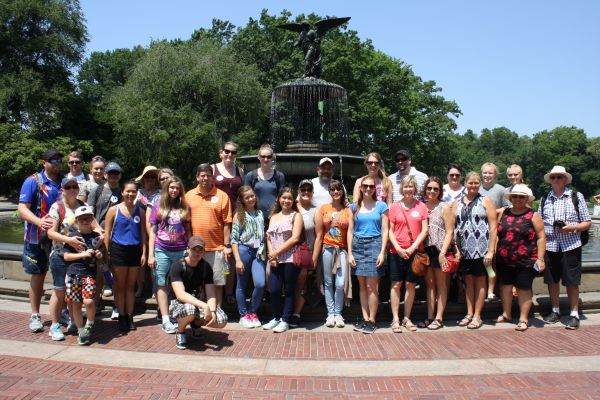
x: 334, y: 295
x: 285, y: 275
x: 256, y: 267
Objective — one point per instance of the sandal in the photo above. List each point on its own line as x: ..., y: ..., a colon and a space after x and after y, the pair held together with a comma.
x: 396, y: 328
x: 522, y: 326
x: 475, y: 323
x: 503, y: 319
x: 435, y: 325
x: 466, y: 320
x: 407, y: 323
x: 425, y: 323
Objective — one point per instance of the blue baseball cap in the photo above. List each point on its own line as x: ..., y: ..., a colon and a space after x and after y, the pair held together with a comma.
x: 113, y: 166
x: 66, y: 180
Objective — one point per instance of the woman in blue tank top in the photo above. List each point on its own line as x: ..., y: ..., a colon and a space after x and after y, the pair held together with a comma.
x: 125, y: 237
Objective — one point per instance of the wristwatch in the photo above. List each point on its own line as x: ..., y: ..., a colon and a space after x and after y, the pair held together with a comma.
x: 227, y: 245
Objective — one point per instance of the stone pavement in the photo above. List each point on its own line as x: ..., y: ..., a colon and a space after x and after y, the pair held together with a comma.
x: 312, y: 362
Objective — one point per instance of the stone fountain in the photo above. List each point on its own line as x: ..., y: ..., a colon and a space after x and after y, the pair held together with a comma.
x: 309, y: 116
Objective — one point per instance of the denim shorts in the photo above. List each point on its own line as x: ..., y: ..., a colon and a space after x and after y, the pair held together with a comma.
x: 58, y: 268
x: 164, y: 259
x: 35, y: 259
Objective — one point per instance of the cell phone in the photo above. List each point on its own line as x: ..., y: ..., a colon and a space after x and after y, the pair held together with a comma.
x: 536, y: 267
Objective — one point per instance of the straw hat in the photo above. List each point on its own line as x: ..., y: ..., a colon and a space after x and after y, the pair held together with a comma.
x: 520, y: 189
x: 558, y: 170
x: 148, y: 168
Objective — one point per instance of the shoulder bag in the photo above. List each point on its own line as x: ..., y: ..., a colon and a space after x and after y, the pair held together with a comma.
x: 420, y: 258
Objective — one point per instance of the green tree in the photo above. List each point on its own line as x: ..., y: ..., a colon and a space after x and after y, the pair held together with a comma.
x: 41, y: 41
x: 181, y: 102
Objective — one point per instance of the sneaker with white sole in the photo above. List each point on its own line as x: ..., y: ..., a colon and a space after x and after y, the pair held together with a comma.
x: 181, y: 341
x: 56, y: 333
x: 83, y: 340
x: 330, y: 321
x: 339, y: 321
x: 168, y: 327
x: 87, y: 330
x: 107, y: 292
x: 35, y: 323
x: 246, y: 322
x: 255, y: 321
x: 281, y: 327
x: 271, y: 324
x: 71, y: 327
x: 115, y: 314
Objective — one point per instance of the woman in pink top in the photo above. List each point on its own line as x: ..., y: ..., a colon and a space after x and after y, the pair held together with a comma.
x: 405, y: 239
x: 375, y: 170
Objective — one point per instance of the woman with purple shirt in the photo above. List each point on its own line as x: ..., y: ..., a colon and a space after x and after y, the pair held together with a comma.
x: 168, y: 238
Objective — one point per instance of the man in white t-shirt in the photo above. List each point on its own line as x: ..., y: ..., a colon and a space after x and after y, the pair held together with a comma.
x: 403, y: 161
x: 321, y: 182
x: 75, y: 168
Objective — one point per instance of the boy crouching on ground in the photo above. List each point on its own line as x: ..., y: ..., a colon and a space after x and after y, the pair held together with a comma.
x: 186, y: 279
x: 81, y: 272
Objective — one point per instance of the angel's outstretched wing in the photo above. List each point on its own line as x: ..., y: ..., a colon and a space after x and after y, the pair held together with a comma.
x: 326, y: 24
x: 294, y: 27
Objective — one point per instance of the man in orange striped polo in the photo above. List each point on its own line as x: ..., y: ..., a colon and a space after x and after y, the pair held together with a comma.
x: 211, y: 219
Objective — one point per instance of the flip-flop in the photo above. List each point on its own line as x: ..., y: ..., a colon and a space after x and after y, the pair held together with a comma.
x: 522, y: 326
x: 465, y: 321
x: 435, y: 325
x: 502, y: 319
x: 475, y: 323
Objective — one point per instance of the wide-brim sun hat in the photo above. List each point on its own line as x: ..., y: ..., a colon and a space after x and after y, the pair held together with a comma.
x: 520, y: 189
x: 148, y: 168
x: 558, y: 170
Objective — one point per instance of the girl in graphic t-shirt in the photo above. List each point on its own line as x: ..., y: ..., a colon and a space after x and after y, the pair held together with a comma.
x: 167, y: 238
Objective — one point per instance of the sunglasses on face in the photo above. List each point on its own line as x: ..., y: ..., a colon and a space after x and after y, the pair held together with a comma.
x: 232, y: 152
x: 266, y: 157
x: 557, y: 177
x: 113, y: 173
x: 454, y: 175
x: 513, y: 175
x: 432, y: 189
x: 76, y: 162
x: 364, y: 186
x: 401, y: 159
x: 55, y: 161
x: 164, y: 178
x: 372, y: 162
x: 73, y: 187
x: 518, y: 196
x: 336, y: 190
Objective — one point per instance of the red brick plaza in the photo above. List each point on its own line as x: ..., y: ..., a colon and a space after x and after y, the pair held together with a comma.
x: 494, y: 362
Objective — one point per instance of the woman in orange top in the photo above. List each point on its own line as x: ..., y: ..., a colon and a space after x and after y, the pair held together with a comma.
x: 333, y: 221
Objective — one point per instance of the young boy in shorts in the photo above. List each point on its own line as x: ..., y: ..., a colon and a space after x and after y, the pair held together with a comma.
x: 81, y: 273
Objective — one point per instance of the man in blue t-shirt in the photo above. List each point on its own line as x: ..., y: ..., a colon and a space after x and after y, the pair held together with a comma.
x: 38, y: 193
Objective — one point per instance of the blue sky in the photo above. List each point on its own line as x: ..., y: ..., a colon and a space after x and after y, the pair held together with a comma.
x: 527, y: 65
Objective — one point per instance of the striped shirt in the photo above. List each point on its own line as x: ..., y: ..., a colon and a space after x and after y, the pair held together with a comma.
x: 396, y: 178
x: 252, y: 233
x: 562, y: 209
x: 210, y: 214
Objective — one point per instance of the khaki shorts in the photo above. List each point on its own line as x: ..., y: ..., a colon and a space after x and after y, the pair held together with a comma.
x: 220, y: 267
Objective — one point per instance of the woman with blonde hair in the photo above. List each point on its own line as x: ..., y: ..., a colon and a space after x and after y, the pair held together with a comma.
x: 266, y: 181
x: 375, y: 170
x: 168, y: 237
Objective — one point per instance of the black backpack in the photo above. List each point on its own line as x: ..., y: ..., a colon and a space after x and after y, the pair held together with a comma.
x: 583, y: 235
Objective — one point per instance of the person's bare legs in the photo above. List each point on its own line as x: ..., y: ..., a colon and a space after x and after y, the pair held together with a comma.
x: 120, y: 284
x: 56, y: 304
x: 409, y: 298
x: 525, y: 303
x: 162, y: 299
x: 442, y: 282
x: 506, y: 296
x: 395, y: 299
x: 364, y: 297
x: 479, y: 295
x: 36, y: 291
x: 554, y: 292
x: 373, y: 291
x: 470, y: 293
x: 573, y: 294
x: 132, y: 278
x: 430, y: 292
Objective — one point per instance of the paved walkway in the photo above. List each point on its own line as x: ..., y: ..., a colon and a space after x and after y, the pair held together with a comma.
x: 318, y: 362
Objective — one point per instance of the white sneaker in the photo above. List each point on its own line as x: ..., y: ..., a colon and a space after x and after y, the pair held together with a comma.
x: 256, y: 321
x: 246, y: 322
x: 107, y: 292
x: 330, y: 321
x: 271, y: 324
x: 281, y: 327
x: 115, y: 314
x: 35, y: 323
x: 339, y: 321
x: 56, y: 333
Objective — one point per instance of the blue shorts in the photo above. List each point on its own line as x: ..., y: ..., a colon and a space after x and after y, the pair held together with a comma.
x: 164, y: 259
x: 58, y: 268
x: 35, y: 259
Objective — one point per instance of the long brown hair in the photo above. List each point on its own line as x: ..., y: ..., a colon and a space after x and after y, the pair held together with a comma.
x: 240, y: 209
x: 359, y: 201
x: 277, y: 207
x: 385, y: 182
x: 166, y: 204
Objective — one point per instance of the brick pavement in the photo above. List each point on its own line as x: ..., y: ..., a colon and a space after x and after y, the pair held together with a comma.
x: 30, y: 378
x: 307, y: 345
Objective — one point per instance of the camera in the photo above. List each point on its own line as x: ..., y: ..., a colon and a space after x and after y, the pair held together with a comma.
x: 559, y: 223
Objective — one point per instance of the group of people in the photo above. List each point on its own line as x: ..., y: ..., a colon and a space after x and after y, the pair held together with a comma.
x: 205, y: 244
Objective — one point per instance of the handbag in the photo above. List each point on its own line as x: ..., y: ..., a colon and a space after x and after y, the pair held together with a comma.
x: 451, y: 263
x: 420, y: 260
x: 302, y: 255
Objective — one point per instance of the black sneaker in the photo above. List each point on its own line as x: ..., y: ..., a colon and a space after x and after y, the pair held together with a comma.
x: 293, y: 321
x: 552, y: 318
x: 370, y: 327
x: 573, y: 323
x: 132, y: 326
x: 360, y: 326
x: 180, y: 341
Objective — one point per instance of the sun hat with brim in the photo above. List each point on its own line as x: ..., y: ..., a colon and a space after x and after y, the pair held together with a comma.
x: 558, y: 170
x: 522, y: 190
x: 148, y: 168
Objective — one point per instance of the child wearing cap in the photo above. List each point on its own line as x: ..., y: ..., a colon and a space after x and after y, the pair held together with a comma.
x: 81, y: 272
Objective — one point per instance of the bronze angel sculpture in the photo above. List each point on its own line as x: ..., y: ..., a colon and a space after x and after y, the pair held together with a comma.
x: 310, y: 42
